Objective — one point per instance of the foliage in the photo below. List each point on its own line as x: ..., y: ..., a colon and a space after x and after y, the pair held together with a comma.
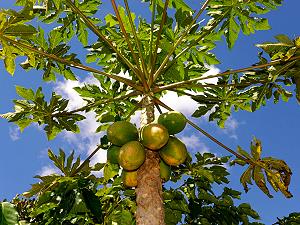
x: 132, y: 59
x: 8, y: 214
x: 34, y: 109
x: 277, y: 171
x: 83, y: 198
x: 291, y: 219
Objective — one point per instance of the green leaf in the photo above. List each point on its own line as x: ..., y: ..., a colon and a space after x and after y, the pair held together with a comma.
x: 69, y: 75
x: 57, y: 3
x: 43, y: 208
x: 243, y: 152
x: 82, y: 33
x: 262, y: 24
x: 70, y: 161
x: 172, y: 217
x: 20, y: 30
x: 284, y: 39
x: 9, y: 61
x: 233, y: 31
x: 92, y: 202
x: 180, y: 4
x: 55, y: 37
x: 110, y: 170
x: 57, y: 160
x: 238, y: 161
x: 8, y: 214
x: 123, y: 217
x: 25, y: 93
x: 205, y: 173
x: 52, y: 132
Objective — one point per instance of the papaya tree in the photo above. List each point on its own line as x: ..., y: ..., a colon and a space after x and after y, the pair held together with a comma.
x: 167, y: 49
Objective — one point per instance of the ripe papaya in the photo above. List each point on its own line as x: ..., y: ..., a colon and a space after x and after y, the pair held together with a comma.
x: 129, y: 178
x: 154, y: 136
x: 132, y: 155
x: 174, y: 152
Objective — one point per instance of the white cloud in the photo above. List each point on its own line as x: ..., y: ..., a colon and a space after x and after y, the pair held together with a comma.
x: 212, y: 71
x: 135, y: 118
x: 14, y: 133
x: 231, y: 125
x: 48, y: 170
x: 186, y: 104
x: 183, y: 104
x: 194, y: 143
x: 86, y: 141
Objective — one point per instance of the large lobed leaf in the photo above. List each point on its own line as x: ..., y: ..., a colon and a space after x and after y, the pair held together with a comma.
x: 261, y: 170
x: 33, y: 108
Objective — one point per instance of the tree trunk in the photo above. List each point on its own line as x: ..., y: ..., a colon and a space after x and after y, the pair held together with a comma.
x: 150, y: 208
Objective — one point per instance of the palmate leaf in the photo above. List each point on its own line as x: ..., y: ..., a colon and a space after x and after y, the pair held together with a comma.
x: 284, y: 49
x: 292, y: 219
x: 34, y: 109
x: 280, y: 49
x: 220, y: 100
x: 20, y: 30
x: 202, y: 203
x: 276, y: 171
x: 66, y: 166
x: 259, y: 178
x: 246, y: 178
x: 14, y: 27
x: 9, y: 54
x: 279, y: 175
x: 253, y: 89
x: 47, y: 184
x: 241, y: 15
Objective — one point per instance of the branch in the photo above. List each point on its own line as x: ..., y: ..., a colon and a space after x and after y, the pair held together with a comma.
x: 86, y: 161
x: 182, y: 83
x: 113, y: 3
x: 151, y: 33
x: 139, y: 71
x: 137, y: 42
x: 153, y: 60
x: 205, y: 133
x: 237, y: 85
x: 100, y: 35
x: 70, y: 63
x: 158, y: 108
x: 180, y: 40
x: 97, y: 103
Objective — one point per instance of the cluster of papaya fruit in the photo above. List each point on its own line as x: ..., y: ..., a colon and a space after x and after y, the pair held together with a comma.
x: 128, y: 145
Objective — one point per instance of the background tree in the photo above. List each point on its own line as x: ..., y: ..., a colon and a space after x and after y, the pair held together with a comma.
x: 171, y: 53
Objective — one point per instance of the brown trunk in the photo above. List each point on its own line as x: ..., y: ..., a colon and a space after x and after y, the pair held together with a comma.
x: 150, y: 209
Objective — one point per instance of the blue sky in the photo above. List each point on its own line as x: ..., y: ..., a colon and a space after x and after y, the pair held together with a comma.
x: 25, y: 155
